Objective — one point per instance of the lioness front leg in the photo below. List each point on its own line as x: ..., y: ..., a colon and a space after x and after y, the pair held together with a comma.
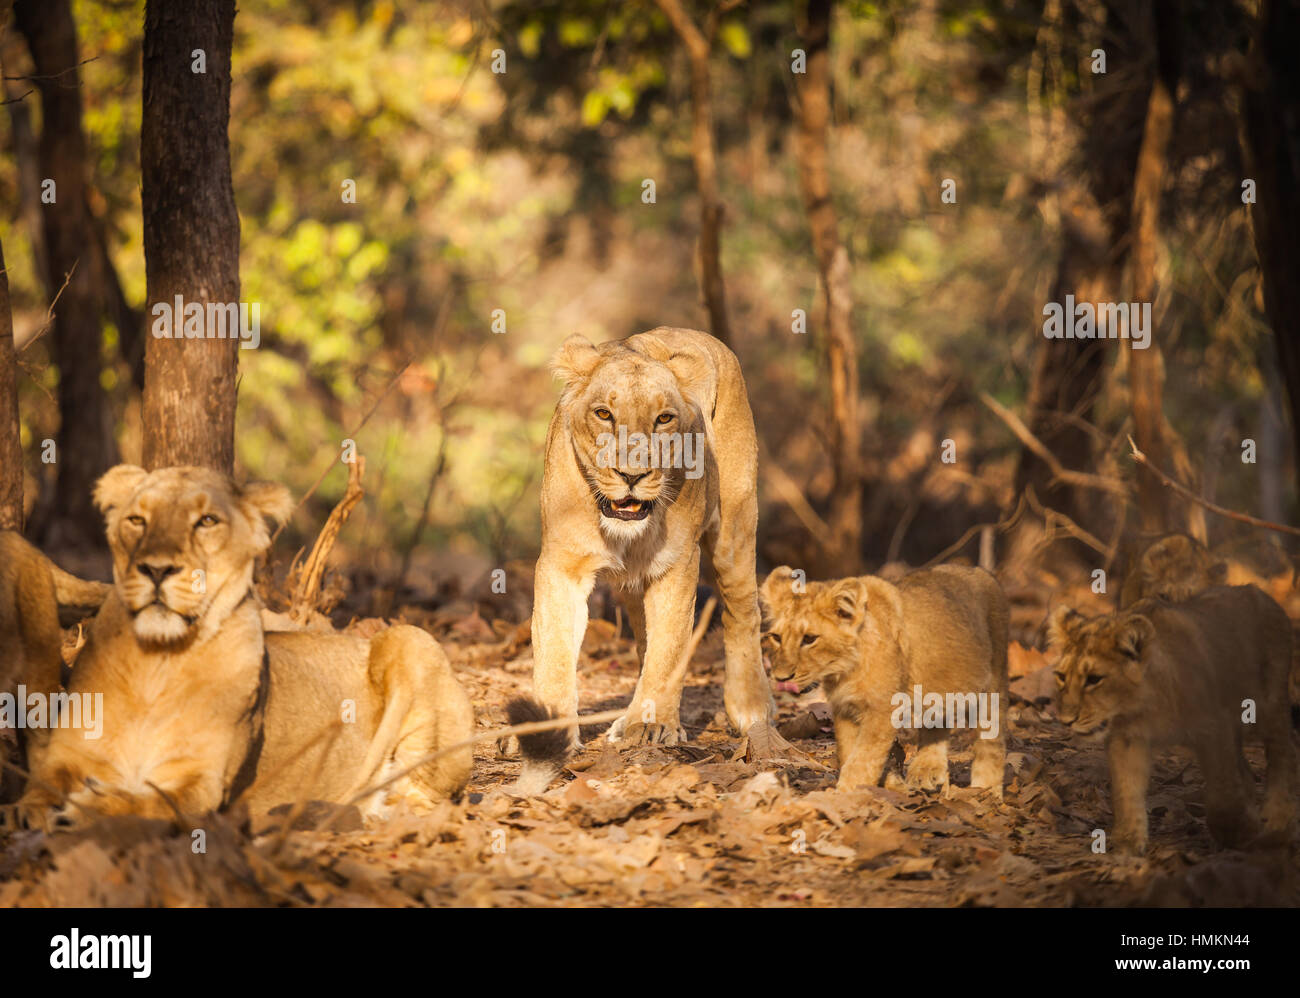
x: 746, y: 693
x: 653, y: 714
x: 1130, y: 768
x: 863, y: 739
x: 559, y: 623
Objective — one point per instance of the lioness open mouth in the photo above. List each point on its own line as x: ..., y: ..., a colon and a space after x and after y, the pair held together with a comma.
x: 626, y: 508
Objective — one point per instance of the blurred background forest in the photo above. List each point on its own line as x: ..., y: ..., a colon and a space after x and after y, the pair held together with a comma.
x: 523, y: 191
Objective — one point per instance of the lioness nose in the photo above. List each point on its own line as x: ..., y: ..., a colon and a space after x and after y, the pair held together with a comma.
x: 632, y: 479
x: 157, y: 573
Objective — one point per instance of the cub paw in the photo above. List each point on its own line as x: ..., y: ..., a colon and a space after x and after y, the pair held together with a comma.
x: 929, y: 776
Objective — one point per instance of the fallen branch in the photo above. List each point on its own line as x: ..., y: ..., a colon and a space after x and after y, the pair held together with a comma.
x: 1060, y: 473
x: 1188, y: 494
x: 308, y: 589
x: 789, y: 491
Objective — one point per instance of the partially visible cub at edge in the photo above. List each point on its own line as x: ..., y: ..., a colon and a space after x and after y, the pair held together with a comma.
x: 870, y: 642
x: 1206, y: 673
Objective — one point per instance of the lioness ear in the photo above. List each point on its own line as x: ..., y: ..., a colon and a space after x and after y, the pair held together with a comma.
x: 1061, y: 626
x: 117, y: 484
x: 575, y: 360
x: 264, y: 501
x: 696, y: 375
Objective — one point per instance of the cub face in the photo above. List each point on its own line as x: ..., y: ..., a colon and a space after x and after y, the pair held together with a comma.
x: 817, y: 633
x: 1102, y: 663
x: 630, y: 414
x: 180, y: 538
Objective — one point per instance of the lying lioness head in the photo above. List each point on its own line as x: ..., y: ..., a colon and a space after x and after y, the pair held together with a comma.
x: 184, y: 541
x: 635, y: 423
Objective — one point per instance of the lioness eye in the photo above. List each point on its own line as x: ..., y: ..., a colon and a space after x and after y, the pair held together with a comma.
x: 773, y: 637
x: 603, y: 414
x: 1060, y: 678
x: 664, y: 417
x: 135, y: 521
x: 207, y: 520
x: 1094, y: 679
x: 810, y: 638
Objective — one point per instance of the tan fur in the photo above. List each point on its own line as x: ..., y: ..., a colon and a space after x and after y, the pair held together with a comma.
x: 866, y: 640
x: 29, y: 643
x: 1161, y: 673
x: 1173, y: 567
x: 694, y: 380
x: 177, y: 652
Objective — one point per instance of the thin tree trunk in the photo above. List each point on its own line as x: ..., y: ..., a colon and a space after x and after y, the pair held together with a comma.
x: 1271, y: 146
x: 85, y: 447
x: 1146, y: 367
x: 812, y: 149
x: 191, y: 230
x: 699, y: 47
x: 11, y: 449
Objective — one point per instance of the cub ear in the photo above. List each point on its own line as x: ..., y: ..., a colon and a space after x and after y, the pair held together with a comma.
x: 850, y: 599
x: 116, y: 486
x: 1062, y: 626
x: 262, y: 501
x: 1135, y: 636
x: 1219, y: 571
x: 777, y: 589
x: 575, y: 360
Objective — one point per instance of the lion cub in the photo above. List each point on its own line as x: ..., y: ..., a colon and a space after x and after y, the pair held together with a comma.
x: 1203, y: 673
x: 1173, y: 567
x: 929, y: 652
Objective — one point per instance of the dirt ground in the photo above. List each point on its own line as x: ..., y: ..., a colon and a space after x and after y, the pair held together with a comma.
x: 692, y: 825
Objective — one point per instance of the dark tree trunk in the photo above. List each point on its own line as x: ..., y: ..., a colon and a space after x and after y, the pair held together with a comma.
x: 1271, y: 139
x: 11, y: 450
x: 812, y: 149
x: 191, y: 230
x: 85, y: 448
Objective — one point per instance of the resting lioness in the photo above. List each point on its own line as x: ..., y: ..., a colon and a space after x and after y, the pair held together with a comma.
x: 201, y: 708
x: 932, y: 648
x: 1206, y: 673
x: 650, y: 456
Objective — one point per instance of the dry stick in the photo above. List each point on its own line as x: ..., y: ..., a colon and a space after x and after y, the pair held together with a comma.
x: 357, y: 429
x: 49, y: 312
x: 304, y: 598
x: 1001, y: 526
x: 1188, y: 494
x: 1060, y: 473
x: 530, y: 728
x: 1070, y: 527
x: 794, y: 498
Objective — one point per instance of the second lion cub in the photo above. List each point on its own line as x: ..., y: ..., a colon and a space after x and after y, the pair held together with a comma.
x: 929, y: 653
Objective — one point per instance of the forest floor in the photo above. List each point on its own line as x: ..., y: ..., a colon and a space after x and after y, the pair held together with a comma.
x: 690, y: 825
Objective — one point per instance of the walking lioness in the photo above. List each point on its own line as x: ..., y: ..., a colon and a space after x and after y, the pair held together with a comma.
x: 650, y: 456
x: 200, y: 707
